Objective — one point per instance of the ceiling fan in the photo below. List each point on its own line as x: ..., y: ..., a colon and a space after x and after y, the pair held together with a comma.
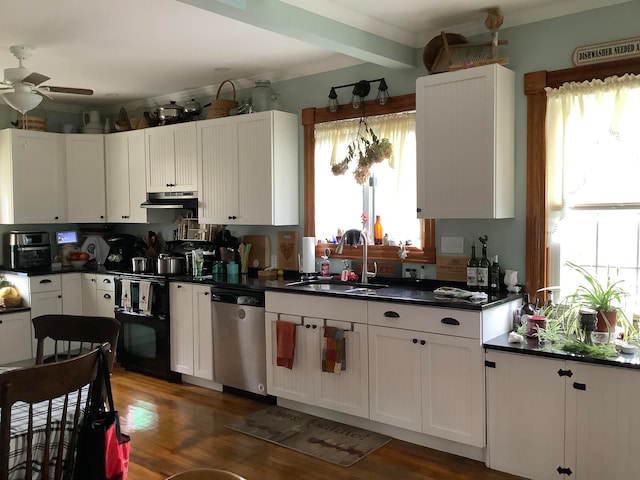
x: 26, y: 85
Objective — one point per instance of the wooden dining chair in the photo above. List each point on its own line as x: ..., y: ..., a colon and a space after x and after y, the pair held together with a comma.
x: 206, y: 474
x: 41, y: 410
x: 73, y: 335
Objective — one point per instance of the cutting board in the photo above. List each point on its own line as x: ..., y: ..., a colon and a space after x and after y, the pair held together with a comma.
x: 260, y: 250
x: 288, y: 251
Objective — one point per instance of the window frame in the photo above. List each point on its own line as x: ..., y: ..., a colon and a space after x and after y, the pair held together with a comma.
x: 537, y: 249
x: 312, y: 116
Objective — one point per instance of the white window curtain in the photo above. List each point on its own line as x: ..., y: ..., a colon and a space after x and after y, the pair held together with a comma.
x: 593, y: 145
x: 340, y: 201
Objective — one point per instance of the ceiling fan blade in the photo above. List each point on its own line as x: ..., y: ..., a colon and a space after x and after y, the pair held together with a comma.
x: 77, y: 91
x: 44, y: 91
x: 35, y: 78
x: 4, y: 87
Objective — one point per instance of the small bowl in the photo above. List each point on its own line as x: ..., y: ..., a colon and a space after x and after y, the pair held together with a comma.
x: 77, y: 263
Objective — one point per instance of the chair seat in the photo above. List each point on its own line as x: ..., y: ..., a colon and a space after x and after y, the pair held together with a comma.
x: 206, y: 474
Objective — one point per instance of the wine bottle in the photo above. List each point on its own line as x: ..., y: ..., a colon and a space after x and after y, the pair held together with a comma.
x: 483, y: 267
x: 377, y: 231
x: 494, y: 276
x: 472, y: 269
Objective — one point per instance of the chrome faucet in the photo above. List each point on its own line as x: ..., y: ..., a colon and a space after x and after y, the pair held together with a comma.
x: 352, y: 237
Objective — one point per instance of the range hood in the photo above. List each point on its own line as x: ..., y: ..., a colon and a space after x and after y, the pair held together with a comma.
x: 172, y: 200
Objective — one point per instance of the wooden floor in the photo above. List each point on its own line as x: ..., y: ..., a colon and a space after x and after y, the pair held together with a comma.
x: 175, y: 427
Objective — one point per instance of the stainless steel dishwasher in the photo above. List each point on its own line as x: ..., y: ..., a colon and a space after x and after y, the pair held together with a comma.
x: 239, y: 347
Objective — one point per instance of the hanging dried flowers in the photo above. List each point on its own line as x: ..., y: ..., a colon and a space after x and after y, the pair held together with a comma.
x: 368, y: 149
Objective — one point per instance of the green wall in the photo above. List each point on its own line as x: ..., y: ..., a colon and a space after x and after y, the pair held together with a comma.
x: 545, y: 45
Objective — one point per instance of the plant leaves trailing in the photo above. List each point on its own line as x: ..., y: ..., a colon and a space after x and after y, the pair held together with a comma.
x: 368, y: 149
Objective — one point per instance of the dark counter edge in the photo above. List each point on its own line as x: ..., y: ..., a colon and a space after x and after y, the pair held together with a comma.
x: 534, y: 348
x: 399, y: 290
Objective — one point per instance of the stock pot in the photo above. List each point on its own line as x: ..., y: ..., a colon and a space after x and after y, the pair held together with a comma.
x: 168, y: 265
x: 142, y: 264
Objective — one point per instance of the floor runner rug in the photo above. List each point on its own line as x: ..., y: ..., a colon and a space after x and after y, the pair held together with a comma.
x: 324, y: 439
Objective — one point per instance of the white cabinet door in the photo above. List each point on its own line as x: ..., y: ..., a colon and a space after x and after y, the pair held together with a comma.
x: 395, y: 377
x: 86, y: 200
x: 526, y: 415
x: 126, y: 177
x: 295, y: 383
x: 453, y: 389
x: 32, y: 186
x: 15, y: 337
x: 89, y: 294
x: 347, y: 392
x: 603, y: 406
x: 202, y: 332
x: 172, y: 158
x: 465, y: 143
x: 218, y: 168
x: 181, y: 317
x: 72, y: 293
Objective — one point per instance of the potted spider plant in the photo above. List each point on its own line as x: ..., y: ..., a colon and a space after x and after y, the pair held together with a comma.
x: 605, y: 297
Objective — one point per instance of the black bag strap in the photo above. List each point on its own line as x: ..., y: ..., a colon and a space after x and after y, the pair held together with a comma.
x: 106, y: 375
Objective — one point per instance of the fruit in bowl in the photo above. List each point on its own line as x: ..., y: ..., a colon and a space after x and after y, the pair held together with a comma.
x: 78, y: 259
x: 77, y: 263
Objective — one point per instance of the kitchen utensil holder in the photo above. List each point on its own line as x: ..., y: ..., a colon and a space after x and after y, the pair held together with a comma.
x: 221, y: 107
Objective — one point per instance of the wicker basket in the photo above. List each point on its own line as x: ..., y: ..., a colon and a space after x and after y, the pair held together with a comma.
x: 221, y: 108
x: 10, y: 302
x: 27, y: 122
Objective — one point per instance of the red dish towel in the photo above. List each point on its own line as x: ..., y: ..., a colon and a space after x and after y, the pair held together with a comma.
x: 286, y: 343
x: 333, y: 350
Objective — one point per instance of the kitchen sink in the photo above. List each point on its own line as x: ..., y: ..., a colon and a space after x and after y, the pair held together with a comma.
x: 336, y: 286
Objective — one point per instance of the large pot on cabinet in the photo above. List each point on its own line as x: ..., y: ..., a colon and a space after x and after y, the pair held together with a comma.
x: 168, y: 265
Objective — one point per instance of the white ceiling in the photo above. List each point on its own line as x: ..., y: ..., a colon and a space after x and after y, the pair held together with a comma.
x: 128, y: 50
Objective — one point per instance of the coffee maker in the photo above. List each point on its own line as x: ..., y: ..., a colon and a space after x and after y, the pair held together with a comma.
x: 27, y: 250
x: 122, y: 248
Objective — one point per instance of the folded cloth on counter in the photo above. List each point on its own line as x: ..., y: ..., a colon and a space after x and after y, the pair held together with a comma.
x: 145, y: 297
x: 285, y: 343
x: 125, y: 299
x: 333, y: 350
x: 458, y: 293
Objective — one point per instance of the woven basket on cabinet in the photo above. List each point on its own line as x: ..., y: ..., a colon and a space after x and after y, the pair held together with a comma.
x: 220, y: 107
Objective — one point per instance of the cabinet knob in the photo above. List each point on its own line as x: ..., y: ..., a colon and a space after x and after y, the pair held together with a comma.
x: 423, y: 342
x: 308, y: 326
x: 314, y: 326
x: 56, y: 218
x: 206, y: 293
x: 418, y: 209
x: 106, y: 280
x: 59, y: 296
x: 415, y: 340
x: 178, y: 286
x: 107, y: 296
x: 0, y: 322
x: 232, y: 217
x: 101, y: 216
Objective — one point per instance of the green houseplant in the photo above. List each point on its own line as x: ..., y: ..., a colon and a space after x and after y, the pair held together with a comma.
x: 603, y: 297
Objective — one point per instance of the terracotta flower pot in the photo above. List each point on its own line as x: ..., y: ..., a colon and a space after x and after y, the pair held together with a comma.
x: 602, y: 325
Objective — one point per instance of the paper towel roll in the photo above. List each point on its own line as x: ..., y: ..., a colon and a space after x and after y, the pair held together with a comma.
x: 308, y: 263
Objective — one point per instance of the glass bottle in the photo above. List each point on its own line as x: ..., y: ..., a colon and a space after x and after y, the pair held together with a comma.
x: 261, y: 96
x: 494, y: 276
x: 472, y: 269
x: 483, y: 267
x: 377, y: 231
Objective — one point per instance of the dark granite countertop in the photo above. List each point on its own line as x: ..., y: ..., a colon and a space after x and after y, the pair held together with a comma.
x: 531, y: 346
x: 399, y: 290
x: 5, y: 311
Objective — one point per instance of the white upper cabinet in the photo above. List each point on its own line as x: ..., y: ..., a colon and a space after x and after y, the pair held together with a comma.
x: 32, y: 178
x: 465, y: 143
x: 248, y: 169
x: 126, y: 181
x: 171, y: 158
x: 86, y: 200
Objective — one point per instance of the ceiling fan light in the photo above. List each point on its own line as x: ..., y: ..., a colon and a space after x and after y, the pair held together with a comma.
x: 22, y: 101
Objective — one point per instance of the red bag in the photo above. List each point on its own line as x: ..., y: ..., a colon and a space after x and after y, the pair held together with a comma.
x: 103, y: 450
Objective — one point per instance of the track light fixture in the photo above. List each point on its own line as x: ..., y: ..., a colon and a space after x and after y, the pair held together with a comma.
x: 360, y: 90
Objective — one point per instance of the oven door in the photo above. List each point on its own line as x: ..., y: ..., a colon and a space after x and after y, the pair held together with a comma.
x: 143, y: 345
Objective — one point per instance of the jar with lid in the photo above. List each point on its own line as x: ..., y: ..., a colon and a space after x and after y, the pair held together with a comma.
x: 261, y: 96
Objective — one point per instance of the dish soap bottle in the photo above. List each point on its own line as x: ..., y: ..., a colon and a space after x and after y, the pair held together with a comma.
x: 377, y: 231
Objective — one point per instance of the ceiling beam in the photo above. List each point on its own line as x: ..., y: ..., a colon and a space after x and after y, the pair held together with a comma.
x: 297, y: 23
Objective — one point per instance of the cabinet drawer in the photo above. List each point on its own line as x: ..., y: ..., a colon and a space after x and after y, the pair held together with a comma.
x: 45, y: 283
x: 446, y: 321
x: 317, y: 306
x: 105, y: 283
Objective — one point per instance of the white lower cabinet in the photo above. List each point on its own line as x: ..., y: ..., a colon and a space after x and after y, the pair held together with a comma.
x: 426, y: 382
x: 71, y: 285
x: 346, y: 392
x: 98, y: 295
x: 191, y: 333
x: 15, y: 337
x: 551, y: 418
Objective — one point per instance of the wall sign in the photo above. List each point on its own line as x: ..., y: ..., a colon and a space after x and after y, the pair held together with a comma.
x: 605, y: 52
